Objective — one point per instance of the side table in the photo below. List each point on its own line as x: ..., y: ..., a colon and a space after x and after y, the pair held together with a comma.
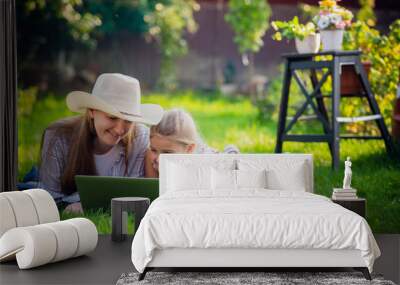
x: 119, y: 213
x: 357, y: 205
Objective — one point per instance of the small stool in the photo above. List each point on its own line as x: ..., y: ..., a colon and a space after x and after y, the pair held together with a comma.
x: 119, y: 208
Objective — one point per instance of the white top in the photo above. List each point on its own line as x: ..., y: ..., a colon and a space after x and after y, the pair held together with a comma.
x: 104, y: 162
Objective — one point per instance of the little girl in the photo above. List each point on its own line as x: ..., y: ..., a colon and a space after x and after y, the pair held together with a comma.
x: 175, y: 133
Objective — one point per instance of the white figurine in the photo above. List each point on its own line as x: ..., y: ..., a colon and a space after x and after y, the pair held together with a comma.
x: 347, y: 174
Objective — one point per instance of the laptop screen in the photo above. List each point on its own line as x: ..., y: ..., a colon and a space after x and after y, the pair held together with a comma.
x: 96, y: 192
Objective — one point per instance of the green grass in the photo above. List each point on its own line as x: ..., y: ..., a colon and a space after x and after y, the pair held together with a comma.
x: 224, y: 121
x: 101, y: 219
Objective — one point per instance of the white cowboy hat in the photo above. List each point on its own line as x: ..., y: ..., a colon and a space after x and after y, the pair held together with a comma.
x: 117, y: 95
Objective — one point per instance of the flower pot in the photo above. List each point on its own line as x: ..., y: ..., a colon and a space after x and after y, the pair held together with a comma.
x: 350, y: 81
x: 310, y: 44
x: 331, y: 40
x: 396, y: 120
x: 396, y: 117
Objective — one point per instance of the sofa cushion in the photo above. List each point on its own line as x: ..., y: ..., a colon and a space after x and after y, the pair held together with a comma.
x: 40, y: 244
x: 44, y: 204
x: 23, y: 208
x: 7, y: 216
x: 26, y: 208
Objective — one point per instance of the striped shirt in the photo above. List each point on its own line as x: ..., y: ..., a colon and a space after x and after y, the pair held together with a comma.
x: 54, y: 161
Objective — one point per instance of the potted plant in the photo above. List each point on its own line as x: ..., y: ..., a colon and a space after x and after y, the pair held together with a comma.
x: 305, y: 36
x: 331, y: 22
x: 350, y: 80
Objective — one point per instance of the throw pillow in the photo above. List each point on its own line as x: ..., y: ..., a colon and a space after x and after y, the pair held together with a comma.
x: 223, y: 179
x: 181, y: 177
x: 251, y: 179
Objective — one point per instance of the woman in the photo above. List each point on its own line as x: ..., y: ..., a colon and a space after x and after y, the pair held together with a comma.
x: 109, y: 139
x: 175, y: 133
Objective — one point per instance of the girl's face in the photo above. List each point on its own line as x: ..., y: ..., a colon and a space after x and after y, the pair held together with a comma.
x: 109, y: 129
x: 160, y: 144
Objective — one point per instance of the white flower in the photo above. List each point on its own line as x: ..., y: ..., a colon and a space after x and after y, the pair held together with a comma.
x: 323, y: 22
x: 335, y: 19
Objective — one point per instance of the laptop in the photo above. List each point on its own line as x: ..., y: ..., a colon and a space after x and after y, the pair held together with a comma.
x: 96, y: 192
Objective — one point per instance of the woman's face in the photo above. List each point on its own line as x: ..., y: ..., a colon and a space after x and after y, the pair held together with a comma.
x: 160, y: 144
x: 109, y: 129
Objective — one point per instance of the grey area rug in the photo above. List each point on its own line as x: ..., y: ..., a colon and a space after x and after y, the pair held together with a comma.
x: 228, y: 278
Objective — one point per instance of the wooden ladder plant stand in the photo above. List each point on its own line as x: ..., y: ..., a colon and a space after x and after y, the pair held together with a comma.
x: 330, y: 123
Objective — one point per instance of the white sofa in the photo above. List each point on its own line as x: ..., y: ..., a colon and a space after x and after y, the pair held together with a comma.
x: 176, y: 232
x: 31, y: 231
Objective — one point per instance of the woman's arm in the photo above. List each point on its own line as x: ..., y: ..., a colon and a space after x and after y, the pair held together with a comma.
x: 149, y: 170
x: 51, y: 165
x: 53, y: 159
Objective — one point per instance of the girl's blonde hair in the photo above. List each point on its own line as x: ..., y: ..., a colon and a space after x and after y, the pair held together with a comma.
x: 177, y: 125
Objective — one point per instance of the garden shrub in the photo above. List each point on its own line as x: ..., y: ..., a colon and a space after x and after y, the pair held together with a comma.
x: 168, y: 24
x: 268, y: 105
x: 249, y: 21
x: 383, y: 51
x: 26, y: 99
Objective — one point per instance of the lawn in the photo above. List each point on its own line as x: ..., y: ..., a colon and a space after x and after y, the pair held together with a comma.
x: 224, y: 121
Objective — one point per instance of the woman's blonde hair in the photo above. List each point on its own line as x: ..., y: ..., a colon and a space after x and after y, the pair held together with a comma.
x: 177, y: 125
x: 80, y: 133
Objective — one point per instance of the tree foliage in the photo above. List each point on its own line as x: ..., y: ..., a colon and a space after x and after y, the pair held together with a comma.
x: 383, y: 51
x: 366, y: 12
x: 249, y: 20
x: 119, y: 16
x: 168, y: 22
x: 50, y: 27
x: 46, y: 27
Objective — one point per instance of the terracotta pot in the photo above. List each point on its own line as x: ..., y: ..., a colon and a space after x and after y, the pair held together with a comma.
x: 396, y: 116
x: 396, y: 120
x: 310, y: 44
x: 331, y: 39
x: 350, y: 81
